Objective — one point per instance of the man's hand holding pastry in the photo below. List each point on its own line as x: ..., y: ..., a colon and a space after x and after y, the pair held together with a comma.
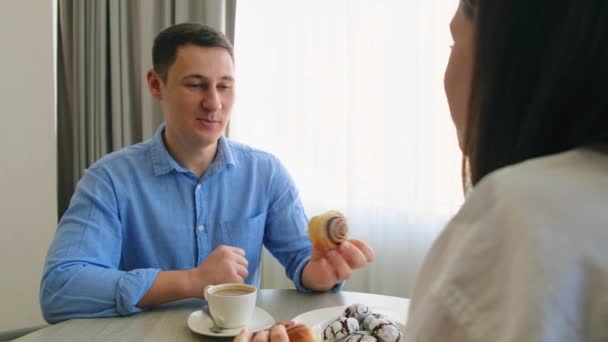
x: 334, y: 256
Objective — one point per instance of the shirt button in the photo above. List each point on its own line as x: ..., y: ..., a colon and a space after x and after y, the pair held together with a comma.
x: 198, y: 187
x: 201, y: 227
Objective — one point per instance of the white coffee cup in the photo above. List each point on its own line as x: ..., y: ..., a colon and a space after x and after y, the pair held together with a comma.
x: 231, y: 305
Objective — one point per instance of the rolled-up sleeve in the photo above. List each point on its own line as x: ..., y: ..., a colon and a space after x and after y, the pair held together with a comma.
x: 81, y: 276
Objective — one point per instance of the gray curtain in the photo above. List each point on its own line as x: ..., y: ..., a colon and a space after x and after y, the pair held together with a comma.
x: 104, y: 52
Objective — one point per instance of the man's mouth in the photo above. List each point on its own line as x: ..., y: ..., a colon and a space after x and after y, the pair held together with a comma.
x: 209, y: 121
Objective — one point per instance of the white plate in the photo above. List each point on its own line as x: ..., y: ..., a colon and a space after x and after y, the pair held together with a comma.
x: 320, y: 318
x: 200, y: 323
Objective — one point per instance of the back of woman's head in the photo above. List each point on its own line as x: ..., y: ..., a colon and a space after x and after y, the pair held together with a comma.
x: 540, y: 80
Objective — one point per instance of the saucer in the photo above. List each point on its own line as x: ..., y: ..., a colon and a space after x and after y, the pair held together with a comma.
x: 200, y: 323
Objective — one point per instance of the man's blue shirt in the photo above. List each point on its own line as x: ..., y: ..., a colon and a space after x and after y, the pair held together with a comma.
x: 137, y: 211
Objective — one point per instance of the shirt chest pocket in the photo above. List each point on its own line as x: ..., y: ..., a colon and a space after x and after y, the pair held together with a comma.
x: 247, y: 234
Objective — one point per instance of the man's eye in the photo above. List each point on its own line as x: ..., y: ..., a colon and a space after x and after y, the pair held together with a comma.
x: 201, y: 86
x: 223, y: 86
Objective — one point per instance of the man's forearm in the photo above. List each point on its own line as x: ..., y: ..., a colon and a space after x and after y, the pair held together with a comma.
x: 170, y: 286
x: 84, y: 290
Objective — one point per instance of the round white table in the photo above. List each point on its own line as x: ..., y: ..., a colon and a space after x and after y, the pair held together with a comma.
x: 169, y: 322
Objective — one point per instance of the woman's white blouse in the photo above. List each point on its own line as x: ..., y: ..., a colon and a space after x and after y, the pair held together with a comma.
x: 525, y: 259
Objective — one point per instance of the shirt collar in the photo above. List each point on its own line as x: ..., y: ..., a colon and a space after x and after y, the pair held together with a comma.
x: 163, y: 162
x: 223, y: 158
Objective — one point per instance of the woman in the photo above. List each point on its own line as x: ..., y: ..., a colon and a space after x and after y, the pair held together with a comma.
x: 526, y: 257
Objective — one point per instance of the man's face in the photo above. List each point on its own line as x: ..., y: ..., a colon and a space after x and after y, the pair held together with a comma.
x: 197, y: 96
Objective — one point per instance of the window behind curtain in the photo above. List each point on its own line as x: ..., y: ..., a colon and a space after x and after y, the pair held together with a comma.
x: 349, y: 95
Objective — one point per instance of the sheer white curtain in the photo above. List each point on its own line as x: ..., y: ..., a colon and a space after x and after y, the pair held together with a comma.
x: 349, y: 95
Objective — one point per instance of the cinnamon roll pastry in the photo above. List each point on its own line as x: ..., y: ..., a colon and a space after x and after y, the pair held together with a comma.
x: 340, y: 328
x: 383, y: 328
x: 361, y: 336
x: 328, y: 230
x: 299, y: 332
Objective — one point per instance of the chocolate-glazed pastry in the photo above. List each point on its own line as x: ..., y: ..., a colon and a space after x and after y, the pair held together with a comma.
x: 358, y: 312
x: 328, y: 230
x: 383, y: 328
x: 360, y: 336
x: 369, y: 319
x: 340, y: 328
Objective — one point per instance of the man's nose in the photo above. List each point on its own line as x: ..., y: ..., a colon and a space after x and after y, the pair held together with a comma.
x: 212, y: 101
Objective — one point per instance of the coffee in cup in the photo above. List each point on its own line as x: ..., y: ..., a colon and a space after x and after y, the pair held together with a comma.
x: 231, y: 305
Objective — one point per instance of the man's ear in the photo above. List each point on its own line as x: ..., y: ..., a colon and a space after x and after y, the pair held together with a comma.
x: 154, y: 84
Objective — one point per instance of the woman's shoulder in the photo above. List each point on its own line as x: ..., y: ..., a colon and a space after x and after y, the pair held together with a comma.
x: 520, y: 231
x: 566, y: 179
x: 551, y: 195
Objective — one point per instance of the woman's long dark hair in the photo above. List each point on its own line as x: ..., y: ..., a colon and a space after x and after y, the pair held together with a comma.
x: 540, y: 82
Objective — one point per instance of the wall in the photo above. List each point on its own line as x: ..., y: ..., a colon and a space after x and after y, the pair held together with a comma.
x: 28, y: 203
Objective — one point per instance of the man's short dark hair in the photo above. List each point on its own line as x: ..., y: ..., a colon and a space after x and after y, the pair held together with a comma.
x: 169, y: 40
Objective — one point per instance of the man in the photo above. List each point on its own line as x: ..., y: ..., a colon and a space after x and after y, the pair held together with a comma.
x: 160, y: 220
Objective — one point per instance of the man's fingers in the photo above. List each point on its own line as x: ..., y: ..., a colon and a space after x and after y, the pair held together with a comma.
x: 238, y: 251
x: 225, y: 249
x: 341, y: 269
x: 365, y: 249
x: 354, y: 256
x: 242, y: 261
x: 242, y: 271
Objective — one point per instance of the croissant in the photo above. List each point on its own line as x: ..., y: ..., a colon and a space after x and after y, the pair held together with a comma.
x: 299, y: 332
x: 328, y: 230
